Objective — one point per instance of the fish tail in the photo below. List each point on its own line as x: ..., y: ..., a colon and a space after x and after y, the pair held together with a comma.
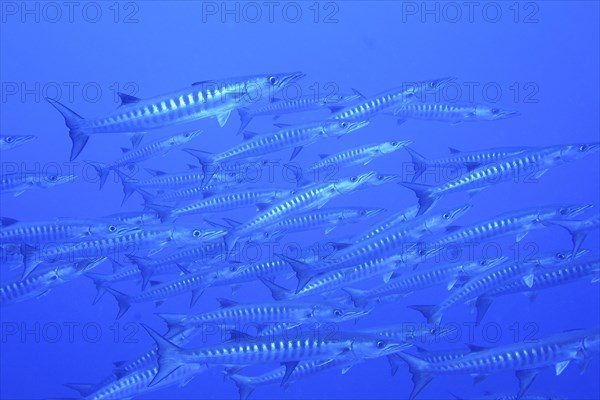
x: 145, y: 268
x: 165, y: 213
x: 416, y: 366
x: 128, y: 188
x: 245, y: 118
x: 418, y: 161
x: 173, y: 322
x: 84, y: 389
x: 245, y: 388
x: 357, y: 296
x: 31, y: 259
x: 101, y: 170
x: 278, y: 292
x: 100, y: 283
x: 72, y: 120
x: 423, y: 192
x: 206, y: 161
x: 122, y: 300
x: 304, y: 272
x: 577, y: 236
x: 169, y: 356
x: 430, y: 312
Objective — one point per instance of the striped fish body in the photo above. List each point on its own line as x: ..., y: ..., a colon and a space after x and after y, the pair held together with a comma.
x: 358, y: 155
x: 192, y: 193
x: 58, y: 230
x: 554, y: 276
x: 255, y: 271
x: 477, y: 157
x: 231, y: 201
x: 137, y: 382
x: 326, y: 219
x: 437, y: 112
x: 311, y: 103
x: 390, y: 222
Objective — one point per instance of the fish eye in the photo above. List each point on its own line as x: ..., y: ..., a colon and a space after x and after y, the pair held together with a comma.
x: 560, y: 256
x: 563, y: 211
x: 446, y: 216
x: 494, y: 111
x: 583, y: 147
x: 8, y: 139
x: 344, y: 124
x: 52, y: 178
x: 422, y: 252
x: 338, y: 313
x: 273, y: 80
x: 394, y: 143
x: 363, y: 212
x: 196, y: 233
x: 482, y: 263
x: 380, y: 344
x: 353, y: 179
x: 266, y: 235
x: 112, y: 228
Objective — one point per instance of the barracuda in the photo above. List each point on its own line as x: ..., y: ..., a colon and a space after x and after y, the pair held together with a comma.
x: 527, y: 165
x: 155, y: 149
x: 260, y: 349
x: 404, y: 283
x: 462, y: 160
x: 390, y: 222
x: 223, y: 202
x: 518, y: 223
x: 19, y: 183
x: 362, y: 155
x: 559, y: 273
x: 12, y: 141
x: 58, y: 230
x: 40, y: 284
x: 286, y: 138
x: 526, y: 358
x: 135, y: 218
x: 578, y: 230
x: 188, y: 194
x: 453, y: 113
x: 279, y: 107
x: 234, y: 313
x: 315, y: 196
x: 202, y: 100
x: 389, y: 100
x: 385, y: 244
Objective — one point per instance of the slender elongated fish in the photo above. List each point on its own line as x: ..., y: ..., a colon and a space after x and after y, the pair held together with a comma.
x: 314, y: 196
x: 288, y: 137
x: 362, y: 155
x: 188, y: 194
x: 279, y: 107
x: 204, y: 99
x: 453, y: 275
x: 525, y: 358
x: 232, y: 312
x: 41, y: 284
x: 561, y: 273
x: 391, y: 99
x: 19, y: 183
x: 452, y: 113
x: 528, y: 166
x: 135, y: 218
x: 131, y: 156
x: 392, y: 221
x: 462, y: 160
x: 386, y: 244
x: 8, y: 142
x: 223, y: 202
x: 264, y: 349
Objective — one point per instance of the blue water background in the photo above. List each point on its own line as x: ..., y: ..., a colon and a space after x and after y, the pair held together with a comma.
x: 545, y: 63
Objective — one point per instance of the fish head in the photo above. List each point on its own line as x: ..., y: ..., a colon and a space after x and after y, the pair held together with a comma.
x: 49, y: 180
x: 492, y: 113
x: 352, y: 183
x: 444, y: 218
x: 14, y: 141
x: 335, y: 313
x: 478, y: 266
x: 373, y: 346
x: 576, y: 151
x: 277, y: 81
x: 560, y: 212
x: 341, y: 127
x: 560, y: 257
x: 360, y: 213
x: 413, y: 90
x: 183, y: 138
x: 380, y: 179
x: 110, y: 229
x: 390, y: 147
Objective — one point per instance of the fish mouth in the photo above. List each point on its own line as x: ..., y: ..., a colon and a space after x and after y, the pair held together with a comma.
x: 357, y: 125
x: 63, y: 179
x: 374, y: 211
x: 385, y: 178
x: 459, y: 212
x: 507, y: 114
x: 442, y: 81
x: 291, y: 77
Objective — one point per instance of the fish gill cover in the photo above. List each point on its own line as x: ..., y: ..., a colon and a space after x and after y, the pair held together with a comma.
x: 299, y: 200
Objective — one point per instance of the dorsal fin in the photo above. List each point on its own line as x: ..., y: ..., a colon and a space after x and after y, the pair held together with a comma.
x: 5, y: 221
x: 224, y: 303
x: 454, y: 150
x: 128, y: 99
x: 237, y: 335
x: 282, y: 125
x: 203, y: 82
x: 249, y: 135
x: 322, y: 156
x: 359, y: 94
x: 155, y: 172
x: 125, y: 150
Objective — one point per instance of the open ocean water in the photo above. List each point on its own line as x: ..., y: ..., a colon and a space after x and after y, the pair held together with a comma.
x: 521, y: 77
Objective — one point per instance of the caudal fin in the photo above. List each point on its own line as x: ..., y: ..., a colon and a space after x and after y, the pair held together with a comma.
x: 169, y: 356
x: 304, y: 272
x: 423, y: 192
x: 429, y: 312
x: 419, y: 163
x: 243, y: 384
x: 417, y: 368
x: 245, y: 119
x: 278, y: 292
x: 101, y: 170
x: 122, y: 300
x: 72, y: 120
x: 357, y: 296
x: 206, y: 162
